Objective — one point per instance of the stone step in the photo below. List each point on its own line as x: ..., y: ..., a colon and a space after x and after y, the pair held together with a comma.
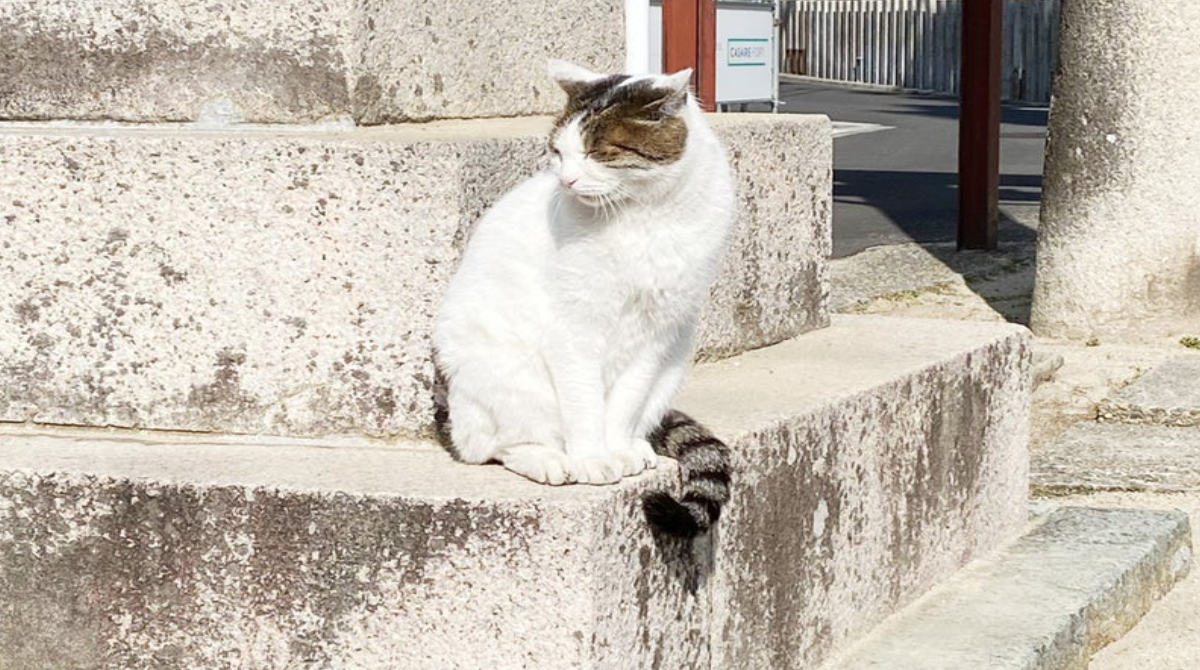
x: 284, y: 281
x: 1077, y: 580
x: 873, y: 458
x: 1167, y: 395
x: 1118, y: 457
x: 293, y: 61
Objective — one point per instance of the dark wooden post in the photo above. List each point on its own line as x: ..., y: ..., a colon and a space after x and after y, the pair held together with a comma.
x: 690, y: 40
x: 979, y: 124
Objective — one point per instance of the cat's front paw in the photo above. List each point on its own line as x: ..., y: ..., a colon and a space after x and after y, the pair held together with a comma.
x: 598, y: 468
x: 646, y: 453
x: 542, y: 464
x: 635, y: 456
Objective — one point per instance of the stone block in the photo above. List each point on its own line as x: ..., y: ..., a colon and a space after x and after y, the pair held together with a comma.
x: 271, y: 281
x: 873, y: 458
x: 294, y: 60
x: 1078, y: 580
x: 1167, y: 395
x: 426, y: 59
x: 884, y: 453
x: 130, y: 552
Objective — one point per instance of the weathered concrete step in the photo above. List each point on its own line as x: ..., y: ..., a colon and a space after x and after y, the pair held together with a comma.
x: 873, y: 458
x: 285, y: 281
x: 1118, y: 457
x: 1168, y: 395
x: 295, y: 60
x: 1076, y: 581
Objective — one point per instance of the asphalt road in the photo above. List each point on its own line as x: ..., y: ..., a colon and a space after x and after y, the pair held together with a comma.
x: 900, y: 185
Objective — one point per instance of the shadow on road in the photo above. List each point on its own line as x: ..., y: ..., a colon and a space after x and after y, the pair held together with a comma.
x: 948, y: 109
x: 924, y: 205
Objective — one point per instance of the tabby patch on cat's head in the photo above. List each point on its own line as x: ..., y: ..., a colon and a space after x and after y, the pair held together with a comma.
x: 616, y: 127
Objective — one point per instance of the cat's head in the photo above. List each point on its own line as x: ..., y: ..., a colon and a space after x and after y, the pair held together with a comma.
x: 619, y: 135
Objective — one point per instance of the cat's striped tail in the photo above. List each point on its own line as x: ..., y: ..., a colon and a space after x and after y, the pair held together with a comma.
x: 704, y: 461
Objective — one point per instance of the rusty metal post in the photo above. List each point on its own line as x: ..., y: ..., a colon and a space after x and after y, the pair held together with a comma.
x: 690, y: 40
x: 979, y: 124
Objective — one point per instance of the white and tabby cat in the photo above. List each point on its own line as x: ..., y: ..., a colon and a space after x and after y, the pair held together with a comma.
x: 568, y: 328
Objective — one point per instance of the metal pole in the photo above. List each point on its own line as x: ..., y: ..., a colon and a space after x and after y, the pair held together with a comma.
x: 690, y: 40
x: 979, y: 123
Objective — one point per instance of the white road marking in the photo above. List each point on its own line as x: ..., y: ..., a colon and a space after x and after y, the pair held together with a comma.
x: 848, y: 128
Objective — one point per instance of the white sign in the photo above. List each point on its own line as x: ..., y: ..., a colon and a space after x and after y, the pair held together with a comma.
x: 745, y: 50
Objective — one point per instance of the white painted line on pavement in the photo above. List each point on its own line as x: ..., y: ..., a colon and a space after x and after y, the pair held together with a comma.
x: 848, y: 128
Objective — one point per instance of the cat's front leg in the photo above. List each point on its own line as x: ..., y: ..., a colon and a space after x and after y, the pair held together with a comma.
x: 623, y: 412
x: 579, y: 385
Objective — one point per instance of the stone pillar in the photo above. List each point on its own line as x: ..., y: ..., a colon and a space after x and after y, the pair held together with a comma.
x: 1119, y: 241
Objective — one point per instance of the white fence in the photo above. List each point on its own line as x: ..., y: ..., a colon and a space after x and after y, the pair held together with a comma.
x: 914, y: 44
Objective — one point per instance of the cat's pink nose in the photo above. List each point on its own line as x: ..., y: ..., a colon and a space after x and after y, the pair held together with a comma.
x: 567, y: 183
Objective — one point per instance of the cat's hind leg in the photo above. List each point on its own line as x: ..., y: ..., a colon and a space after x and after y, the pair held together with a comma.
x: 472, y: 429
x: 476, y: 440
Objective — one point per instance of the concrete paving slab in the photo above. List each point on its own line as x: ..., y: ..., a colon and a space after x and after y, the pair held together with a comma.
x: 1076, y: 581
x: 1168, y: 395
x: 1118, y: 457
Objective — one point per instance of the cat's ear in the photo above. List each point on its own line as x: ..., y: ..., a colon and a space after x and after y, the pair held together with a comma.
x: 571, y: 77
x: 674, y: 89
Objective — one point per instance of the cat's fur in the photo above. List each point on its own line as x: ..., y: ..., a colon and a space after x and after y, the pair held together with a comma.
x: 568, y: 327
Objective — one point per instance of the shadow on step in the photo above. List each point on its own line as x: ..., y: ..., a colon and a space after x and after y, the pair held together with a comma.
x: 689, y: 562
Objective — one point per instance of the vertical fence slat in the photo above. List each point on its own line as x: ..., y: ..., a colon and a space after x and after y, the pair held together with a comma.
x: 913, y: 44
x: 810, y: 29
x: 926, y: 45
x: 847, y: 42
x: 940, y: 78
x: 819, y: 50
x: 898, y: 43
x: 879, y: 28
x: 832, y: 42
x: 881, y: 9
x: 839, y: 41
x: 1028, y: 64
x: 868, y: 40
x: 893, y: 40
x: 919, y: 45
x: 1047, y: 48
x: 860, y: 40
x: 1006, y: 59
x: 909, y: 53
x: 831, y: 38
x: 906, y: 54
x: 827, y: 58
x: 898, y: 48
x: 956, y: 42
x: 1035, y: 21
x: 1055, y: 36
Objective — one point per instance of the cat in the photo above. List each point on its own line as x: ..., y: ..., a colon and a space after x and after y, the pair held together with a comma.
x: 568, y: 327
